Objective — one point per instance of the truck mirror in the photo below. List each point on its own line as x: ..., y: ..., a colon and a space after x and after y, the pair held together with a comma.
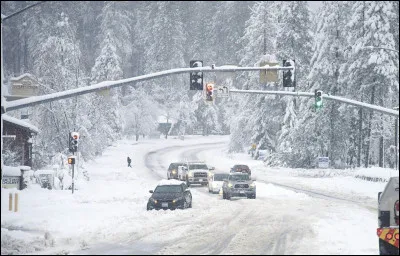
x: 151, y: 191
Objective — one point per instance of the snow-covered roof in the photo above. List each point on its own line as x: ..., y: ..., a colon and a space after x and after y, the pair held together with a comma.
x: 170, y: 182
x: 11, y: 171
x: 22, y: 76
x: 20, y: 123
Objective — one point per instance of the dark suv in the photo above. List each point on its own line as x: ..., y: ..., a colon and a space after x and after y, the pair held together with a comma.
x: 241, y: 168
x: 170, y: 194
x: 172, y: 172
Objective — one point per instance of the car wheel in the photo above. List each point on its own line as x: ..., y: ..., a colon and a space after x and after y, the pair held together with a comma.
x: 228, y: 196
x: 223, y: 195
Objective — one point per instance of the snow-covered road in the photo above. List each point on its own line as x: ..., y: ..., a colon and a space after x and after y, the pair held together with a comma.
x: 277, y: 222
x: 108, y: 215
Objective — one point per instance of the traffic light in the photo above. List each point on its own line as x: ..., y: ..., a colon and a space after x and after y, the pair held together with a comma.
x: 73, y: 141
x: 71, y: 160
x: 289, y: 78
x: 196, y: 78
x: 209, y: 92
x: 318, y: 99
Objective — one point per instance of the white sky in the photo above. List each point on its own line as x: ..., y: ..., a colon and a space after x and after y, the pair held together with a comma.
x: 334, y: 213
x: 314, y: 5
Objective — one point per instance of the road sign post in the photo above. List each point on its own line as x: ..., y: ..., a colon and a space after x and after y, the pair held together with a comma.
x: 71, y: 161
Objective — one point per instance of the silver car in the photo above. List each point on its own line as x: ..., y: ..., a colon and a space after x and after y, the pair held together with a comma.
x: 238, y: 185
x: 215, y: 182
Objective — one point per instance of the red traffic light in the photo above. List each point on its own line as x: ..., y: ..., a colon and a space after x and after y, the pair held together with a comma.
x: 209, y: 92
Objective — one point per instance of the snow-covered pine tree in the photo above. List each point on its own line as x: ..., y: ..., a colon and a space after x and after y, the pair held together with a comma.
x: 106, y: 109
x: 371, y: 74
x: 58, y: 68
x: 294, y: 41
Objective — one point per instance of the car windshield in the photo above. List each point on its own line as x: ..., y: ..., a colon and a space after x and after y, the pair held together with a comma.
x: 239, y: 177
x: 220, y: 177
x: 175, y: 165
x: 168, y: 189
x: 197, y: 166
x: 243, y: 167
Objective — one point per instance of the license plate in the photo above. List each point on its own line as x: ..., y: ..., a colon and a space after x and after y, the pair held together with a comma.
x: 164, y: 204
x: 241, y: 191
x: 200, y: 179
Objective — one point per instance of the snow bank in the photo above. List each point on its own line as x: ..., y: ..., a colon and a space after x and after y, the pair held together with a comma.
x: 11, y: 171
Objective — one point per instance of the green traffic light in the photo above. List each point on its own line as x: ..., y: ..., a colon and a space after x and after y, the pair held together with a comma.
x: 319, y: 102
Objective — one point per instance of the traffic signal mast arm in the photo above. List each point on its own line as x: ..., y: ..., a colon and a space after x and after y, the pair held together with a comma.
x: 325, y: 96
x: 35, y: 100
x: 31, y: 101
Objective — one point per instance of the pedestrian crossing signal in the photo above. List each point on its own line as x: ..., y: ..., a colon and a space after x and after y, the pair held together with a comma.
x: 71, y: 160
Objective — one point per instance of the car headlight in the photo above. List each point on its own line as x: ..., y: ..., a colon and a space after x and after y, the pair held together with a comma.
x: 173, y: 171
x: 177, y: 200
x: 153, y: 200
x: 209, y: 174
x: 214, y: 184
x: 253, y: 185
x: 230, y: 185
x: 190, y: 174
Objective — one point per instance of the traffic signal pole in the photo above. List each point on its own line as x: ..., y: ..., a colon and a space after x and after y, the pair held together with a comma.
x: 73, y: 167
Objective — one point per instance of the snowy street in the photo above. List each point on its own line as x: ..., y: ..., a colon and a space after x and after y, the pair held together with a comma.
x: 334, y: 214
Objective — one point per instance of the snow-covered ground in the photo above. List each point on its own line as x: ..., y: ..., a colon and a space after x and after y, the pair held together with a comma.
x: 297, y: 211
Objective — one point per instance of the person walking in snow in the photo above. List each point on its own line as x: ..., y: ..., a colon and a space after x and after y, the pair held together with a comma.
x: 129, y: 162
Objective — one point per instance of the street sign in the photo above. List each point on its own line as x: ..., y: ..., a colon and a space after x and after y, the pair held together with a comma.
x: 323, y: 162
x: 11, y: 182
x: 197, y: 131
x: 223, y: 91
x: 267, y: 76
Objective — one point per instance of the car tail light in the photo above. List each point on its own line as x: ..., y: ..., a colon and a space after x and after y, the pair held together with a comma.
x: 396, y: 212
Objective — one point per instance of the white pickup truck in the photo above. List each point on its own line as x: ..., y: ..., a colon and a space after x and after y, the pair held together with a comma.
x: 388, y: 218
x: 194, y: 173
